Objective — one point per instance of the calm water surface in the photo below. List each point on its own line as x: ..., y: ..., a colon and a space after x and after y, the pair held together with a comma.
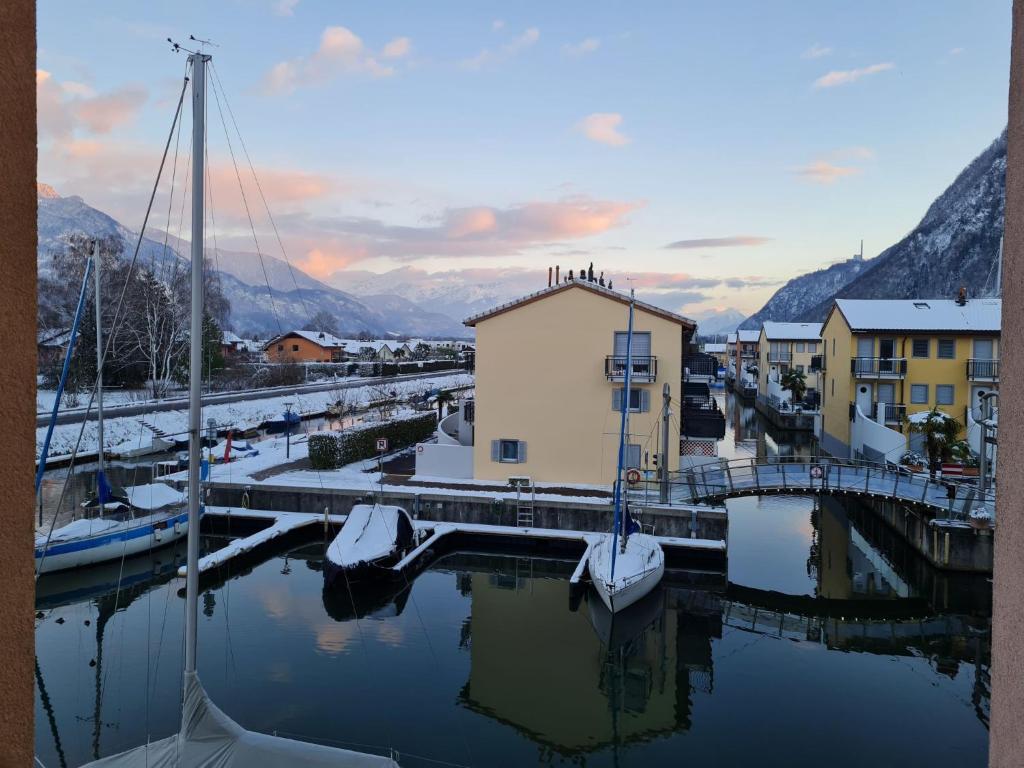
x: 485, y: 660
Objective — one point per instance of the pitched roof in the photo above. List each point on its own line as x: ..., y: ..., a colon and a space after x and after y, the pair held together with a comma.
x: 977, y: 315
x: 748, y: 335
x: 791, y: 331
x: 585, y: 285
x: 730, y: 338
x: 709, y: 348
x: 322, y: 338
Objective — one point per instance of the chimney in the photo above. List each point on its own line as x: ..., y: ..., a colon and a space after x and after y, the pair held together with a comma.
x: 961, y: 297
x: 557, y: 281
x: 549, y: 277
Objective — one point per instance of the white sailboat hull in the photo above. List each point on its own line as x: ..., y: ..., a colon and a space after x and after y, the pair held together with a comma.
x: 112, y: 543
x: 638, y: 570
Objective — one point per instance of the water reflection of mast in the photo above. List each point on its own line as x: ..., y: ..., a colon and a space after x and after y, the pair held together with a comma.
x: 48, y: 708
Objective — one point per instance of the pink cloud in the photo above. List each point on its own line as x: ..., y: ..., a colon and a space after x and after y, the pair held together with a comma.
x: 824, y: 172
x: 64, y: 108
x: 603, y: 127
x: 397, y: 48
x: 341, y: 51
x: 844, y: 76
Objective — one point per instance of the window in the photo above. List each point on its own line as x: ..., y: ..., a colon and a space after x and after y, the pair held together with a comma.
x: 508, y: 451
x: 921, y: 348
x: 800, y: 346
x: 944, y: 394
x: 919, y: 394
x: 799, y: 369
x: 947, y: 349
x: 812, y: 347
x: 641, y: 344
x: 280, y: 347
x: 295, y: 347
x: 833, y: 347
x: 639, y: 399
x: 833, y: 386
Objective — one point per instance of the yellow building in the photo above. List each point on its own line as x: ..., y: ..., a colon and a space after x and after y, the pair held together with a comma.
x: 783, y: 347
x: 888, y: 359
x: 549, y: 380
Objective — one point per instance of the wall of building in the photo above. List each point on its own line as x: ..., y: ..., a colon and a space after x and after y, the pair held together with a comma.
x: 540, y: 378
x: 837, y: 386
x: 307, y: 351
x: 444, y: 460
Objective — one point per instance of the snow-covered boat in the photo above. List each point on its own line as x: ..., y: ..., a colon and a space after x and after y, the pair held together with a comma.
x: 638, y: 569
x: 373, y: 537
x: 626, y: 564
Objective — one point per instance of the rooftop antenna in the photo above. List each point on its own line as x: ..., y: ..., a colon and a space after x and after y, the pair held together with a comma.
x: 860, y: 256
x: 203, y: 42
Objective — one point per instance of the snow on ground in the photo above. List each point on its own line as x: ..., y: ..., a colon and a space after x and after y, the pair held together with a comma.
x: 126, y: 432
x: 45, y: 398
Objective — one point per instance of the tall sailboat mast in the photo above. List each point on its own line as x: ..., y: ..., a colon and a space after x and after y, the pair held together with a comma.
x: 623, y: 434
x: 101, y: 480
x: 195, y: 382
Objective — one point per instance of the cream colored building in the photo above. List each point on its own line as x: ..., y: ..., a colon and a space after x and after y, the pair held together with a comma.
x: 784, y: 347
x: 549, y: 378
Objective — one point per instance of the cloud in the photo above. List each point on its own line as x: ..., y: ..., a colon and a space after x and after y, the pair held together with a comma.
x: 397, y: 48
x: 582, y: 48
x: 603, y: 127
x: 507, y: 51
x: 824, y: 172
x: 497, y: 24
x: 844, y: 76
x: 64, y: 108
x: 816, y: 51
x: 341, y: 51
x: 734, y: 241
x: 955, y: 51
x: 285, y: 7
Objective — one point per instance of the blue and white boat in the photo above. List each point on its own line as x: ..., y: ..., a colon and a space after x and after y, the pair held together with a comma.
x: 115, y: 523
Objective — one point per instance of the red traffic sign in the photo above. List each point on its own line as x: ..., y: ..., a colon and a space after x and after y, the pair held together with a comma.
x: 382, y: 444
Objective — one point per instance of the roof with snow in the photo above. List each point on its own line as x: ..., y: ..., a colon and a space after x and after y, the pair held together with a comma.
x: 745, y: 335
x: 774, y: 331
x: 712, y: 348
x: 730, y: 338
x: 976, y: 315
x: 230, y: 337
x: 324, y: 339
x: 587, y: 286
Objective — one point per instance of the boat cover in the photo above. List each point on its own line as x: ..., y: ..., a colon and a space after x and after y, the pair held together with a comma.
x: 211, y: 739
x: 370, y: 533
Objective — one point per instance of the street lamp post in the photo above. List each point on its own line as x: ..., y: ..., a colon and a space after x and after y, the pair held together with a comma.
x: 288, y: 429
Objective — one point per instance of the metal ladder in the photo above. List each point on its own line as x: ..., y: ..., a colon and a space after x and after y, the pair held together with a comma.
x: 525, y: 498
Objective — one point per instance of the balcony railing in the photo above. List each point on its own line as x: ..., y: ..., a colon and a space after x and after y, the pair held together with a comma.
x: 879, y: 367
x: 779, y: 356
x: 817, y: 363
x: 982, y: 370
x: 644, y: 368
x: 894, y: 413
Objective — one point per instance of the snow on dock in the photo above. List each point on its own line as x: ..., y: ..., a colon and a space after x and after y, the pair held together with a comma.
x: 282, y: 523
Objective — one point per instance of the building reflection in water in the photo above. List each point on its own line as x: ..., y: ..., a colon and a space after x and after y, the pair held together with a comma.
x: 576, y: 681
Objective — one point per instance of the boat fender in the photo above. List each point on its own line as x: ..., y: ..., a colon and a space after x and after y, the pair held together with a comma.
x: 158, y: 534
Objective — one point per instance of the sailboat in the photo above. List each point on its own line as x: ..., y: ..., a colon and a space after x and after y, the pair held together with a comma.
x: 627, y: 564
x: 208, y: 737
x: 111, y: 528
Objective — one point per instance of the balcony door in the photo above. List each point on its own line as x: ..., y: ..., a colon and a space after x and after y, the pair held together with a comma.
x: 641, y: 343
x: 886, y: 353
x: 983, y: 349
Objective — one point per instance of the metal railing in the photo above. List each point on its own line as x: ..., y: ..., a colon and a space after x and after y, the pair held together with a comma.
x: 879, y: 367
x: 949, y: 498
x: 779, y: 356
x: 982, y: 370
x: 643, y: 368
x: 894, y: 413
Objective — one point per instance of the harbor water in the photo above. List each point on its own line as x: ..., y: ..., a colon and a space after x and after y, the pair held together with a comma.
x: 826, y: 642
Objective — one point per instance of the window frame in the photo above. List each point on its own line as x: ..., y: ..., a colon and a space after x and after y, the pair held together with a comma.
x: 927, y: 348
x: 952, y: 394
x: 502, y: 443
x: 927, y: 394
x: 938, y: 351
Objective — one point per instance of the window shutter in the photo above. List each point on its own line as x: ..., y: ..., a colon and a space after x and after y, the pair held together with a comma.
x: 616, y: 399
x: 495, y: 450
x: 522, y: 451
x: 645, y: 400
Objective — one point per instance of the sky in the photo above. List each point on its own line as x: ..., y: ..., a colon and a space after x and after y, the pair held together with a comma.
x: 708, y: 151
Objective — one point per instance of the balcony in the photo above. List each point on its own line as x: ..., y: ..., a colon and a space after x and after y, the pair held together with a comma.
x: 645, y: 369
x: 890, y: 413
x: 780, y: 356
x: 879, y: 367
x: 982, y: 370
x: 817, y: 363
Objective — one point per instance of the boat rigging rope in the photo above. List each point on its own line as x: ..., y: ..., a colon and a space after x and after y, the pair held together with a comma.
x: 114, y: 323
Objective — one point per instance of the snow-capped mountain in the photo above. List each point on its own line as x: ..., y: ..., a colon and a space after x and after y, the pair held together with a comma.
x: 295, y: 296
x: 717, y: 322
x: 955, y: 244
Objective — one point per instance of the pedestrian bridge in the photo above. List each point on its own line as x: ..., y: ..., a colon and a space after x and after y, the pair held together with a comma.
x: 716, y: 482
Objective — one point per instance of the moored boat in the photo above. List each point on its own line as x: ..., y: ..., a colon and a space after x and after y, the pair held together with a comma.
x: 374, y: 537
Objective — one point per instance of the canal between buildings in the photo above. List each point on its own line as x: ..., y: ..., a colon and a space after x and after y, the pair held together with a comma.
x: 486, y: 660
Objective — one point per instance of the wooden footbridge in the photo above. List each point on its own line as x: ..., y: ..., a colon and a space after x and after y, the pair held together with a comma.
x: 716, y: 482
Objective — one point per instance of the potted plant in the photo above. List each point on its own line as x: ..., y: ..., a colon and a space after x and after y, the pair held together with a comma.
x: 980, y: 518
x: 940, y: 432
x: 962, y: 454
x: 912, y: 462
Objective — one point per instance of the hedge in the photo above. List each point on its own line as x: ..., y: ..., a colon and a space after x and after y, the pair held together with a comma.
x: 336, y: 449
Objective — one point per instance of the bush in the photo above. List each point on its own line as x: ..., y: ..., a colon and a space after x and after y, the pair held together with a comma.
x: 336, y: 449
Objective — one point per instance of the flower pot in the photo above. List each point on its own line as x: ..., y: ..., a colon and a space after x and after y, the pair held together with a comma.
x: 970, y: 471
x: 913, y: 467
x: 979, y: 523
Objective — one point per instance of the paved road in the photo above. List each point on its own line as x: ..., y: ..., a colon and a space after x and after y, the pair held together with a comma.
x: 134, y: 409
